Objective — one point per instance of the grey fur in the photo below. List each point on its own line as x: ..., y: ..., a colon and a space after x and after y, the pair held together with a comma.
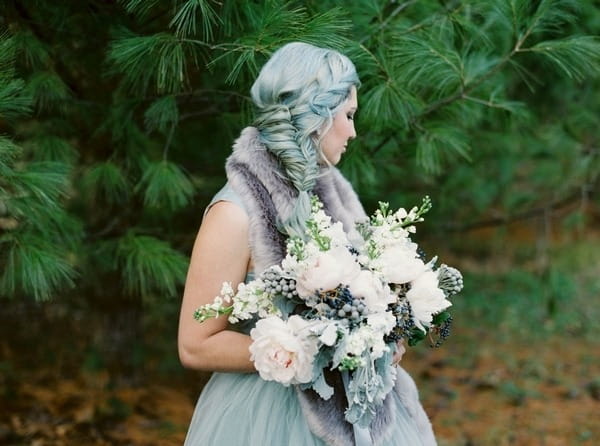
x: 256, y: 176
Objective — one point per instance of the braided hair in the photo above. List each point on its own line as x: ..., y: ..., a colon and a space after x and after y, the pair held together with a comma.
x: 297, y: 94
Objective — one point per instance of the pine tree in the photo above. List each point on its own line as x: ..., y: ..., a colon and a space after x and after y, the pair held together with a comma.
x: 117, y: 117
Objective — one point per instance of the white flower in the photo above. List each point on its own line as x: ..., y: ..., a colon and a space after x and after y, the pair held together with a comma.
x: 365, y: 338
x: 370, y: 287
x: 227, y: 290
x: 283, y: 351
x: 426, y: 298
x: 329, y: 335
x: 382, y: 322
x: 400, y: 264
x: 251, y: 299
x: 336, y: 234
x: 326, y: 270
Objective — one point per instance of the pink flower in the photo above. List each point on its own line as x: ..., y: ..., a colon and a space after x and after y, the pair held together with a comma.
x: 283, y: 351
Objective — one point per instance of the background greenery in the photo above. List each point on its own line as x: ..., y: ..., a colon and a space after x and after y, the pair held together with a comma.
x: 116, y: 118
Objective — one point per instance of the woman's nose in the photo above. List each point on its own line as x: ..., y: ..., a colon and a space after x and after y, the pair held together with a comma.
x: 352, y: 132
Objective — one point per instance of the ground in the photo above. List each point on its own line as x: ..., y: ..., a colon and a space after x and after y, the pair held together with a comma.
x: 541, y: 393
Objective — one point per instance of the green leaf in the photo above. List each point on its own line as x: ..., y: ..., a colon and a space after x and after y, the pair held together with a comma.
x: 440, y: 318
x: 148, y: 264
x: 165, y: 185
x: 415, y: 336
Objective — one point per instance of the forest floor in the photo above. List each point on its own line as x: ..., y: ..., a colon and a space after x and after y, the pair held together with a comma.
x: 509, y: 374
x: 542, y: 393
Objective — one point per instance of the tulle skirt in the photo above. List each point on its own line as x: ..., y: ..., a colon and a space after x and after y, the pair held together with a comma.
x: 243, y: 409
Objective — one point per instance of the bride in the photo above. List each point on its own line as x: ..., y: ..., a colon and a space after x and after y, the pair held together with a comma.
x: 305, y: 99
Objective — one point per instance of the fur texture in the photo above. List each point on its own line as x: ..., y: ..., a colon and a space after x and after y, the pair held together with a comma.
x: 256, y: 176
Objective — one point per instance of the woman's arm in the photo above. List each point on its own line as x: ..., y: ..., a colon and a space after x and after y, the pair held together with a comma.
x: 221, y: 254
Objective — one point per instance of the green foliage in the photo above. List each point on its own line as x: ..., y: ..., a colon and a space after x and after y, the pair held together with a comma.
x: 162, y: 114
x: 106, y: 183
x: 156, y: 62
x: 165, y: 186
x: 149, y: 264
x: 578, y: 57
x: 34, y: 265
x: 115, y: 119
x: 184, y: 20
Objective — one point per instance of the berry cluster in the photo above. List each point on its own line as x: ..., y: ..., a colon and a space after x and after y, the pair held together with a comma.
x: 276, y: 284
x: 341, y: 304
x: 450, y: 280
x: 404, y: 321
x: 442, y: 331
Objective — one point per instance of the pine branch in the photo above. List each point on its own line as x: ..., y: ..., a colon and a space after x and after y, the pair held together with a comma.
x: 165, y: 186
x: 184, y: 20
x: 504, y: 220
x: 577, y: 57
x: 149, y: 265
x: 34, y: 266
x: 105, y: 183
x: 385, y: 23
x: 464, y: 91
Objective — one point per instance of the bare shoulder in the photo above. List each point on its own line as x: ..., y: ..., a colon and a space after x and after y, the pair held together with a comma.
x: 225, y: 215
x: 222, y: 244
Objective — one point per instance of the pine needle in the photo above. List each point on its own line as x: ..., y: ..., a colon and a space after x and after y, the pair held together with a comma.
x: 148, y: 264
x: 165, y: 185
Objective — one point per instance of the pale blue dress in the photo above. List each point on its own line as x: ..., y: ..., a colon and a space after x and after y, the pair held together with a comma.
x: 243, y: 409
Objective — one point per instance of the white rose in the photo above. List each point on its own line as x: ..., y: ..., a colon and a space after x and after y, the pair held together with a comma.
x: 368, y: 286
x: 426, y: 298
x: 326, y: 270
x: 283, y: 351
x: 398, y: 264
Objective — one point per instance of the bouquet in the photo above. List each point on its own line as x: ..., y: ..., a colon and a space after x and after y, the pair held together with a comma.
x: 341, y: 303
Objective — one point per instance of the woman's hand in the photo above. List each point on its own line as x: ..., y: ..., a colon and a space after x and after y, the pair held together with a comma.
x: 399, y: 353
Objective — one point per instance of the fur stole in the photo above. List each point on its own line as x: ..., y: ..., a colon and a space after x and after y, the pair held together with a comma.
x: 256, y: 176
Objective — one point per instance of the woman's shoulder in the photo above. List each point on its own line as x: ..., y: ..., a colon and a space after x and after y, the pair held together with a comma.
x: 226, y: 194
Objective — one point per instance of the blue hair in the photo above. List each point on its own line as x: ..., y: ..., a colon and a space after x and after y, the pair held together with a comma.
x: 297, y: 93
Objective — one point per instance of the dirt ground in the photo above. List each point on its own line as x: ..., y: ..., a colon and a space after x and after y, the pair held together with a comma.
x: 544, y: 393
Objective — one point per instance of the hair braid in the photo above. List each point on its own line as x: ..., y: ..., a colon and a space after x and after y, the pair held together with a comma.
x: 297, y: 93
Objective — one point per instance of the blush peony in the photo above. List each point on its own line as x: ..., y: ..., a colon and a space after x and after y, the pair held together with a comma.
x: 326, y: 271
x: 282, y: 350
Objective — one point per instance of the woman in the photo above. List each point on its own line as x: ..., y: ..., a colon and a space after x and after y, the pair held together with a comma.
x: 306, y: 98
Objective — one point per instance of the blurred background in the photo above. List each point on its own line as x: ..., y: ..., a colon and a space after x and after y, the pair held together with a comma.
x: 116, y: 118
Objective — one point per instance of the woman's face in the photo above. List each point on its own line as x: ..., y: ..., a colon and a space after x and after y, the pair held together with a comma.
x: 335, y: 140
